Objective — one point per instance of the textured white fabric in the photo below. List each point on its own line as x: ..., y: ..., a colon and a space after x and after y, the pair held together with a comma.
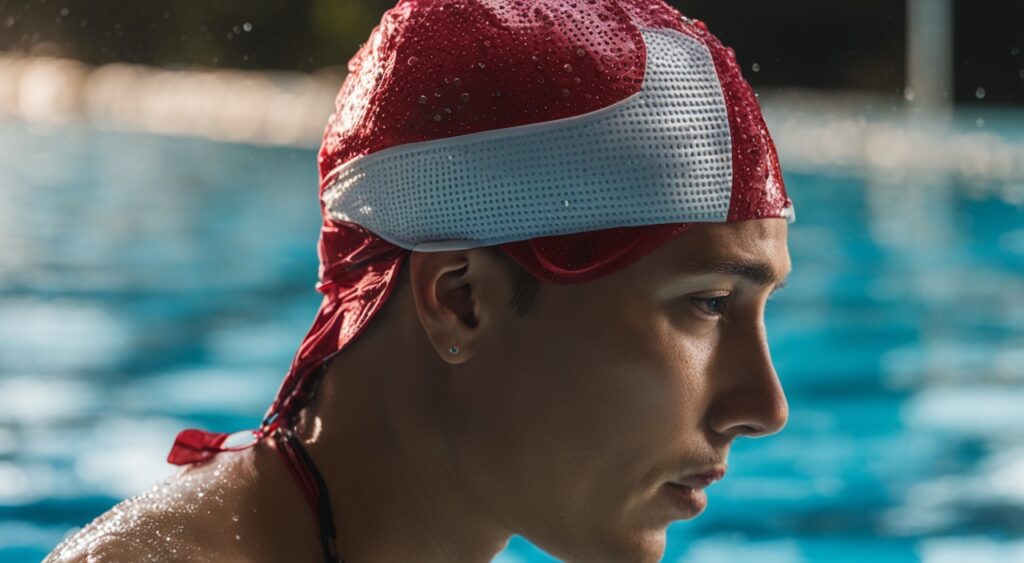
x: 663, y: 155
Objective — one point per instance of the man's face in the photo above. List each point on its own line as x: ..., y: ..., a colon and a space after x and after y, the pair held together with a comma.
x: 589, y: 406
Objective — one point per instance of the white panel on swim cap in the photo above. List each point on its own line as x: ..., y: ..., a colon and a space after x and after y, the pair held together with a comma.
x: 663, y: 155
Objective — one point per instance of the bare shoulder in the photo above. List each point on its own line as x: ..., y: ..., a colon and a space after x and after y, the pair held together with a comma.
x: 174, y: 521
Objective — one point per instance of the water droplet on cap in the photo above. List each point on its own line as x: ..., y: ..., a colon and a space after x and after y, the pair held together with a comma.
x: 437, y: 117
x: 565, y: 92
x: 567, y: 67
x: 458, y: 82
x: 413, y: 60
x: 580, y: 53
x: 423, y: 100
x: 464, y: 97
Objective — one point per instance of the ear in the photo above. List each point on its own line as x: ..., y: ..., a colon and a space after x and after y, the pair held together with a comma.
x: 455, y: 298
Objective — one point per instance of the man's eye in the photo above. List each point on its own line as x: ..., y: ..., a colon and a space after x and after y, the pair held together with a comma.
x: 713, y: 306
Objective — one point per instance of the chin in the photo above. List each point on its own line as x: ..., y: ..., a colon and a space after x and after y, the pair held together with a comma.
x: 646, y: 546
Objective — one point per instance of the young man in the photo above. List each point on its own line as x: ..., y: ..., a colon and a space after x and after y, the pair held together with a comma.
x: 564, y: 221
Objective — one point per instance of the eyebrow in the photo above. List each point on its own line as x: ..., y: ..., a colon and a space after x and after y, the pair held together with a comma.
x: 758, y: 273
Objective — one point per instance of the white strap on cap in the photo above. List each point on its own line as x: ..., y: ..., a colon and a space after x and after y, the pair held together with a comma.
x: 663, y: 155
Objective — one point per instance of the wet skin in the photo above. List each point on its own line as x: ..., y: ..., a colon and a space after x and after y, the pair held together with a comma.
x: 564, y: 425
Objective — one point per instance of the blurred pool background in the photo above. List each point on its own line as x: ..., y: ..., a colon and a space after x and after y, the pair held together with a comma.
x: 153, y: 278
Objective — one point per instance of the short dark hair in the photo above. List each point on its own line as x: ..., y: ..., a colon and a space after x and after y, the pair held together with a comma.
x: 525, y: 288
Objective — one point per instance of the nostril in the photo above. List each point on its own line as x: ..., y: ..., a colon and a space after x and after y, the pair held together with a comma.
x: 752, y: 430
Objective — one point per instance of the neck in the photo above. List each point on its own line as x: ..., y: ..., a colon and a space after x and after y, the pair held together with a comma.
x: 378, y: 436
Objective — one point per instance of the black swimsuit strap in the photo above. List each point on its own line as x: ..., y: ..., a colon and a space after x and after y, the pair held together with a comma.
x: 297, y: 454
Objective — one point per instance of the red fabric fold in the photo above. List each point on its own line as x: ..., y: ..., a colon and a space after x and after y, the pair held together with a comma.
x: 193, y: 446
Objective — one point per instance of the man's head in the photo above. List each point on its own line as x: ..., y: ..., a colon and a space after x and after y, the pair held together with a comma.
x: 570, y: 420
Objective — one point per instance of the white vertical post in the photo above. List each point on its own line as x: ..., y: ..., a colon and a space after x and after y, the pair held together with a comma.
x: 930, y: 55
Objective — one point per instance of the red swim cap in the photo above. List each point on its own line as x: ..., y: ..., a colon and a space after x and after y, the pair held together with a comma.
x: 578, y: 136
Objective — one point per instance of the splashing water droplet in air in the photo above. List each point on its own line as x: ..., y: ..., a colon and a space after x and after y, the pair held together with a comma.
x: 755, y: 67
x: 979, y: 93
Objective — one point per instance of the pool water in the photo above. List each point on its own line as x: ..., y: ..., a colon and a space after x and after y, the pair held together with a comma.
x: 149, y: 284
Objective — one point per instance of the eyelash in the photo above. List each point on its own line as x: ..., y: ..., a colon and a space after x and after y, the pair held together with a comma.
x: 704, y: 302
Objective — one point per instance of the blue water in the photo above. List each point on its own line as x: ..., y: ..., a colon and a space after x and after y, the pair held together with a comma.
x: 148, y: 284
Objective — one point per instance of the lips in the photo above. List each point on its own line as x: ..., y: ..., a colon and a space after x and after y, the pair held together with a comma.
x: 702, y: 480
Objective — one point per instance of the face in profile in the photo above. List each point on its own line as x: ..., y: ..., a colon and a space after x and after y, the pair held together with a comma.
x: 600, y: 414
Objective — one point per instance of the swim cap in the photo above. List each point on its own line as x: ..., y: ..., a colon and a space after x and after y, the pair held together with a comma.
x: 577, y: 136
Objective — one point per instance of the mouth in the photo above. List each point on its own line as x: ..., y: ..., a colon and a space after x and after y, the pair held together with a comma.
x: 687, y: 494
x: 701, y: 480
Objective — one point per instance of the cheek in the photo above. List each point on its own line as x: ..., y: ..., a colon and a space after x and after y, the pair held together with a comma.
x: 621, y: 391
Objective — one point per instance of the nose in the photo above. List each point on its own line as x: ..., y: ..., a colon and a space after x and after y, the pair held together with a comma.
x: 748, y: 396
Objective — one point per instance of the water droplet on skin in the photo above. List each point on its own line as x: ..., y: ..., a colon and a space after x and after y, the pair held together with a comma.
x: 238, y: 537
x: 423, y: 100
x: 234, y: 518
x: 413, y: 60
x: 464, y: 97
